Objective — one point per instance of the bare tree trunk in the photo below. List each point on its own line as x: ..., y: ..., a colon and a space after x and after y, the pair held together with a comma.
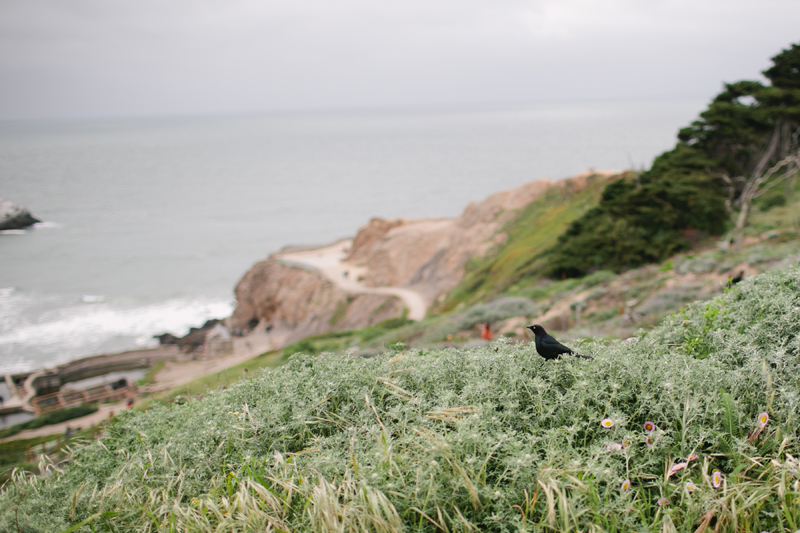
x: 738, y: 232
x: 751, y: 188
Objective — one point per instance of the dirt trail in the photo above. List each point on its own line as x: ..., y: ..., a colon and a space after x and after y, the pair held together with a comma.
x: 329, y: 262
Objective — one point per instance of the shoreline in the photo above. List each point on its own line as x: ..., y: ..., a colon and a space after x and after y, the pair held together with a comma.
x: 181, y: 368
x: 176, y: 372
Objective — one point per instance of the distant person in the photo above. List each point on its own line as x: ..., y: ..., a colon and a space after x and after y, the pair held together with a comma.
x: 486, y: 332
x: 130, y: 403
x: 736, y: 279
x: 268, y: 328
x: 345, y: 274
x: 68, y: 433
x: 2, y: 400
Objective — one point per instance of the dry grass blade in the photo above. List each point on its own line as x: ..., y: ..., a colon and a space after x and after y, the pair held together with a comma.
x: 451, y: 414
x: 551, y: 503
x: 395, y: 390
x: 705, y: 521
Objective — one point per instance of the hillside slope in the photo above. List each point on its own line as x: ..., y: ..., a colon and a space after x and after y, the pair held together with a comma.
x: 532, y: 230
x: 693, y: 424
x: 433, y: 256
x: 428, y: 256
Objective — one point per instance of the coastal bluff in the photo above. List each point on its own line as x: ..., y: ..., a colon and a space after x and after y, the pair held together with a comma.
x: 293, y: 299
x: 295, y: 302
x: 14, y: 216
x: 430, y: 255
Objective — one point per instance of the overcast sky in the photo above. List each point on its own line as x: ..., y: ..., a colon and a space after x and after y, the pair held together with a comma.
x: 110, y: 58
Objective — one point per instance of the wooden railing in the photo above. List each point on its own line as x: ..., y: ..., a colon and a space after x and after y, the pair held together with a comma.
x: 70, y: 398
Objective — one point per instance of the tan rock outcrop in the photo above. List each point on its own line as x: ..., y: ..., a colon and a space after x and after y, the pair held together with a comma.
x: 368, y: 236
x: 430, y: 255
x: 297, y: 302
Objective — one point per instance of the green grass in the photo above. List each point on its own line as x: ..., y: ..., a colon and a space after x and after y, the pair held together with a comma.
x: 53, y: 417
x: 13, y: 451
x: 780, y: 217
x: 341, y: 340
x: 532, y: 232
x: 489, y: 439
x: 227, y: 377
x: 19, y: 453
x: 150, y: 377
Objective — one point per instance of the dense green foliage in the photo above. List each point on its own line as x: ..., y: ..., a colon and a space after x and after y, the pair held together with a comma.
x: 648, y: 218
x: 53, y: 417
x: 739, y: 123
x: 490, y: 439
x: 643, y: 220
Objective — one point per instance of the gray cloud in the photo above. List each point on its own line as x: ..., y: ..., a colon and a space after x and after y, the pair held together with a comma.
x: 111, y: 57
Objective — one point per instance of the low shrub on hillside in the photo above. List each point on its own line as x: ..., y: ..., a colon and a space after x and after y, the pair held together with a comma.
x: 644, y: 219
x: 691, y: 426
x: 495, y: 311
x: 702, y: 264
x: 670, y: 299
x: 382, y: 328
x: 596, y: 278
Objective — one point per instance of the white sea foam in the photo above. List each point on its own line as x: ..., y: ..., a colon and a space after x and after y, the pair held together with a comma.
x: 75, y: 331
x: 13, y: 232
x: 92, y: 298
x: 48, y: 225
x: 84, y: 326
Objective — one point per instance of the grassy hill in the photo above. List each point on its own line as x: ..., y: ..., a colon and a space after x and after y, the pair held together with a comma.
x: 533, y: 231
x: 487, y: 439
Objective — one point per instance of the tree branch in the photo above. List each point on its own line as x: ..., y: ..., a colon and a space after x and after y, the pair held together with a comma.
x: 792, y: 163
x: 773, y: 145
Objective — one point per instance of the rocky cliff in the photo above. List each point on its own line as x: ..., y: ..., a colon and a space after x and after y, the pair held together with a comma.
x: 430, y: 255
x: 297, y: 302
x: 13, y: 216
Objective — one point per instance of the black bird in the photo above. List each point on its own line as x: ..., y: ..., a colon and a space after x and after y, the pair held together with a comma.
x: 548, y: 347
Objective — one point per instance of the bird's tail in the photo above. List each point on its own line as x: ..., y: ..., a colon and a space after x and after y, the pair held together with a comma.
x: 583, y: 356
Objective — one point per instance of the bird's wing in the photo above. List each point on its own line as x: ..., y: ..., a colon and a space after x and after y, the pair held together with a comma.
x: 550, y: 343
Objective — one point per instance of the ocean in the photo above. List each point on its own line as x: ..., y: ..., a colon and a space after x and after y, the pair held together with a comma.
x: 148, y: 224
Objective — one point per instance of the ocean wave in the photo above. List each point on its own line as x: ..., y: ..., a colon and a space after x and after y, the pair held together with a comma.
x: 13, y: 232
x: 87, y: 327
x: 92, y: 298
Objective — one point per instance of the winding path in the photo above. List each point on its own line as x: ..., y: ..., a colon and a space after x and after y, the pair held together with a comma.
x: 329, y: 262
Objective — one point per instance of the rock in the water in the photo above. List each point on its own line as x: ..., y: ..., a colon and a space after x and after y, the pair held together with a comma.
x: 13, y: 216
x: 192, y: 340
